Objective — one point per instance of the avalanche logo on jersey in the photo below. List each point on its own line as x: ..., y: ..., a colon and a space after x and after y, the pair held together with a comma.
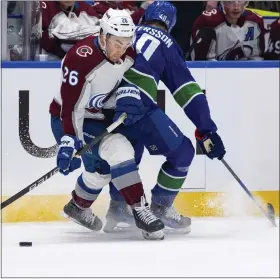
x: 84, y: 51
x: 250, y: 34
x: 96, y: 101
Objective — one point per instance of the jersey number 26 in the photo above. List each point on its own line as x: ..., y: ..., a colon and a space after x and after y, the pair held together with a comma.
x: 71, y: 77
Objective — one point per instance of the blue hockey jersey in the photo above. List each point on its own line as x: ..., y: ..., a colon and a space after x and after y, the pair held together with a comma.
x: 160, y: 58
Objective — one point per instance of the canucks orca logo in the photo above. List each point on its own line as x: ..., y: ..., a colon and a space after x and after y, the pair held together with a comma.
x: 97, y: 101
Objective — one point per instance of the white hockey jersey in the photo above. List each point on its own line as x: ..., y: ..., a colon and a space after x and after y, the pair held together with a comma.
x: 88, y: 82
x: 240, y: 42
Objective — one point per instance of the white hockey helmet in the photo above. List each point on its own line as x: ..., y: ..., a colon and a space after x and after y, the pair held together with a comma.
x: 118, y: 23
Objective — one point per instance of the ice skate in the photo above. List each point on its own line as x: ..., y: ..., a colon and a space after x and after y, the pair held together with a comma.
x: 119, y: 218
x: 173, y: 221
x: 84, y: 217
x: 145, y: 220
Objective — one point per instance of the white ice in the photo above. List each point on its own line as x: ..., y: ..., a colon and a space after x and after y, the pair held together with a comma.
x: 216, y: 247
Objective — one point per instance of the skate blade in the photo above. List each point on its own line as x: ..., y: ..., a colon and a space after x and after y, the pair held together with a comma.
x: 118, y: 228
x: 159, y: 235
x: 63, y: 214
x: 169, y: 230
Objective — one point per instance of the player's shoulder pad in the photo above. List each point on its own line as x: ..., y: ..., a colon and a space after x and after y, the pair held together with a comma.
x: 83, y: 55
x: 211, y: 18
x: 252, y: 16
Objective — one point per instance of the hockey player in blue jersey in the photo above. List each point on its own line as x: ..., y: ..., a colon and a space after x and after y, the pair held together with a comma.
x: 156, y: 130
x: 147, y: 125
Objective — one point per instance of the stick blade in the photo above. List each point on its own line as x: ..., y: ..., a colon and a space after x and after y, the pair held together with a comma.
x: 271, y: 214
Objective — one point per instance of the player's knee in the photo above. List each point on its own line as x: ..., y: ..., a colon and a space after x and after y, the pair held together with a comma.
x: 95, y: 180
x: 186, y: 151
x: 115, y: 149
x: 183, y: 155
x: 88, y: 187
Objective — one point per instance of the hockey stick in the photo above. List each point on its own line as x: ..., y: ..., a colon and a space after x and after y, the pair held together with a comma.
x: 270, y: 211
x: 48, y: 175
x: 203, y: 33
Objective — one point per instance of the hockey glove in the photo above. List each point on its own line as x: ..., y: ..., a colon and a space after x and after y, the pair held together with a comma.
x: 211, y: 145
x: 65, y: 161
x: 128, y: 100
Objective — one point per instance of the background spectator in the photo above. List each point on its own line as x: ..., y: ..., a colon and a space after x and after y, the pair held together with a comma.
x: 273, y: 50
x: 136, y: 11
x: 58, y: 35
x: 260, y: 7
x: 238, y: 35
x: 63, y: 18
x: 66, y: 22
x: 14, y: 29
x: 211, y: 5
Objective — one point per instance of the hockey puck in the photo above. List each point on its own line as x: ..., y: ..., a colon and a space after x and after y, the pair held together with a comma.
x: 25, y: 244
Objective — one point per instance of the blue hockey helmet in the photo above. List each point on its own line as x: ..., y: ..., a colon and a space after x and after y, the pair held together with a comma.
x: 162, y: 11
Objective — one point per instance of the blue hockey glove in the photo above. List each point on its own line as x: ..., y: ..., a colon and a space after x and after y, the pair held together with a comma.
x: 129, y: 100
x: 65, y: 160
x: 211, y: 145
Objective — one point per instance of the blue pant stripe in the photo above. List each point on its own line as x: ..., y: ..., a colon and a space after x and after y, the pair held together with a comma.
x: 85, y: 188
x: 123, y: 168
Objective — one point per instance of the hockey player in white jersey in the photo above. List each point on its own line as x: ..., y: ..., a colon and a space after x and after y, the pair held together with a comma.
x: 151, y: 127
x: 238, y: 34
x: 91, y: 71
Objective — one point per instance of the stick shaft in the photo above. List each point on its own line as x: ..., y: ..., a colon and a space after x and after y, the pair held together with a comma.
x: 246, y: 189
x: 29, y: 188
x: 52, y: 172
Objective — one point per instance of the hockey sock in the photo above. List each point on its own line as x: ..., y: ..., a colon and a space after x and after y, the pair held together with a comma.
x: 126, y: 179
x: 80, y: 202
x: 168, y: 185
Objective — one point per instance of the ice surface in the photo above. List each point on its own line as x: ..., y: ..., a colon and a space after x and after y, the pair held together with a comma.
x: 245, y: 247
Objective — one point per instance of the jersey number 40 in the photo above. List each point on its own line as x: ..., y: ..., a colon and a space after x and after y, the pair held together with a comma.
x: 151, y: 48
